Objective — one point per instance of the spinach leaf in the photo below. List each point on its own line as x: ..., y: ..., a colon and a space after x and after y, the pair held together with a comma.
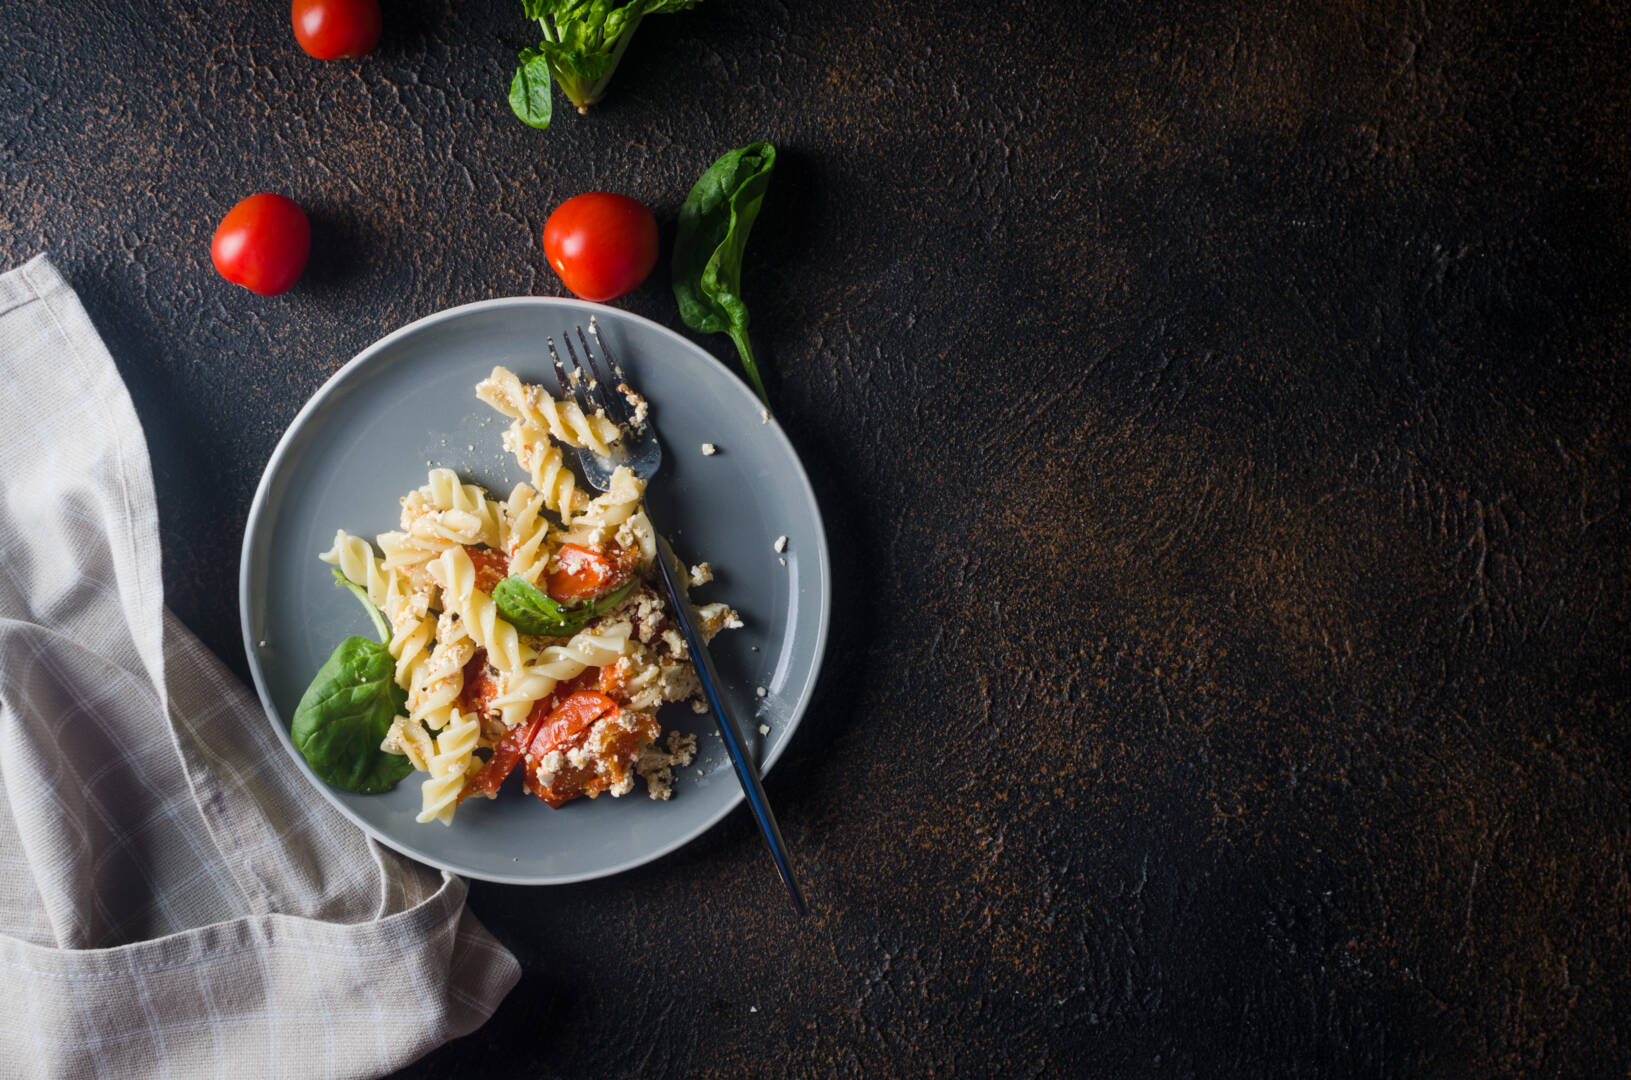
x: 531, y: 611
x: 347, y: 710
x: 708, y: 249
x: 530, y: 98
x: 583, y: 42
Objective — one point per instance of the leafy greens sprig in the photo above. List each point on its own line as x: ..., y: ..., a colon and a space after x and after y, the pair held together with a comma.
x: 347, y: 711
x: 582, y: 44
x: 711, y: 241
x: 532, y: 611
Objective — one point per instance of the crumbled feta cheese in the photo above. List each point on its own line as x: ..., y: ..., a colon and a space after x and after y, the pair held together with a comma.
x: 761, y: 691
x: 782, y: 561
x: 780, y: 545
x: 709, y: 449
x: 701, y: 574
x: 637, y: 404
x: 764, y: 729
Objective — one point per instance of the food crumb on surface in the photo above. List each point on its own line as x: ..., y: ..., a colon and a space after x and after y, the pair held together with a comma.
x: 761, y: 691
x: 262, y: 644
x: 764, y: 416
x: 637, y: 404
x: 782, y: 561
x: 756, y: 648
x: 764, y: 729
x: 709, y: 449
x: 780, y: 545
x: 753, y: 1008
x: 471, y: 447
x: 701, y: 574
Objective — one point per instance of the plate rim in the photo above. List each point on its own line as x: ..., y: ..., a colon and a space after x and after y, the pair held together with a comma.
x: 253, y: 526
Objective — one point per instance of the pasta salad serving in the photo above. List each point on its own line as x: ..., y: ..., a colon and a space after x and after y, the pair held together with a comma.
x: 516, y: 633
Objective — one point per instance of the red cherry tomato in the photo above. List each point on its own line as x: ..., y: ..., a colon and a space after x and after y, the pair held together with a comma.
x: 262, y: 244
x: 602, y: 245
x: 581, y: 574
x: 332, y: 29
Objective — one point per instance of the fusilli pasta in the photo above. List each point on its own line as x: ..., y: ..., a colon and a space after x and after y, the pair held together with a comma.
x: 562, y: 419
x: 454, y: 572
x: 455, y: 750
x: 526, y: 533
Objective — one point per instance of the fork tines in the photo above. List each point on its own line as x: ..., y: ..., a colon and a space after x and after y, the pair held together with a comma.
x: 571, y: 384
x: 601, y: 393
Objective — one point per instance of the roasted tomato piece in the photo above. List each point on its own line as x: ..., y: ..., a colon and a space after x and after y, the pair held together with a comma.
x: 613, y: 679
x: 491, y: 567
x: 565, y: 727
x: 569, y: 719
x: 492, y: 775
x: 581, y: 574
x: 480, y: 685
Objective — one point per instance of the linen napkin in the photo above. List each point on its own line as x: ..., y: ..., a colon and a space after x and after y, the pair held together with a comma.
x: 174, y: 898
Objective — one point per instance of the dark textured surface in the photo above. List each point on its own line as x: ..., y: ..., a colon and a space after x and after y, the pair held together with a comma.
x: 1221, y: 417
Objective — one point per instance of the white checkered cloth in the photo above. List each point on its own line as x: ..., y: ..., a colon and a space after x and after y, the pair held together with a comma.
x: 174, y: 899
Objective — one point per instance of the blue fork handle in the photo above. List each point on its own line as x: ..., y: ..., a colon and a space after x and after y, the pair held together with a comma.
x: 746, y: 771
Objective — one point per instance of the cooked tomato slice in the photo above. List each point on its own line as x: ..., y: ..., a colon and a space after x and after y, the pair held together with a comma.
x: 491, y: 567
x: 480, y: 687
x: 493, y: 774
x: 581, y: 574
x: 570, y: 718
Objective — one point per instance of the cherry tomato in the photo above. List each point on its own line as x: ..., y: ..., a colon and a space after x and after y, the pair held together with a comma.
x: 332, y: 29
x: 581, y: 574
x: 262, y: 244
x: 602, y: 245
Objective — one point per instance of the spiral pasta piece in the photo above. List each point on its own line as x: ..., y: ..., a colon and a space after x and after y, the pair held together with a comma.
x: 562, y: 419
x: 438, y: 678
x: 617, y: 504
x: 543, y: 461
x: 526, y: 533
x: 404, y: 554
x: 518, y: 690
x: 455, y: 751
x: 357, y: 561
x: 454, y: 572
x: 409, y: 738
x: 447, y: 511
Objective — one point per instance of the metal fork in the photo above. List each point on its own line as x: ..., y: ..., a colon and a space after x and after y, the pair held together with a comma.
x: 640, y: 450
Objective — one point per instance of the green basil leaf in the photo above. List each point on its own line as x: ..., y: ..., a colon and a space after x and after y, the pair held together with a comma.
x: 710, y: 243
x: 344, y: 715
x: 531, y: 611
x: 530, y: 96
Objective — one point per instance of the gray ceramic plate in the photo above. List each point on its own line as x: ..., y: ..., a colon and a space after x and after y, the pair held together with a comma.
x: 364, y: 440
